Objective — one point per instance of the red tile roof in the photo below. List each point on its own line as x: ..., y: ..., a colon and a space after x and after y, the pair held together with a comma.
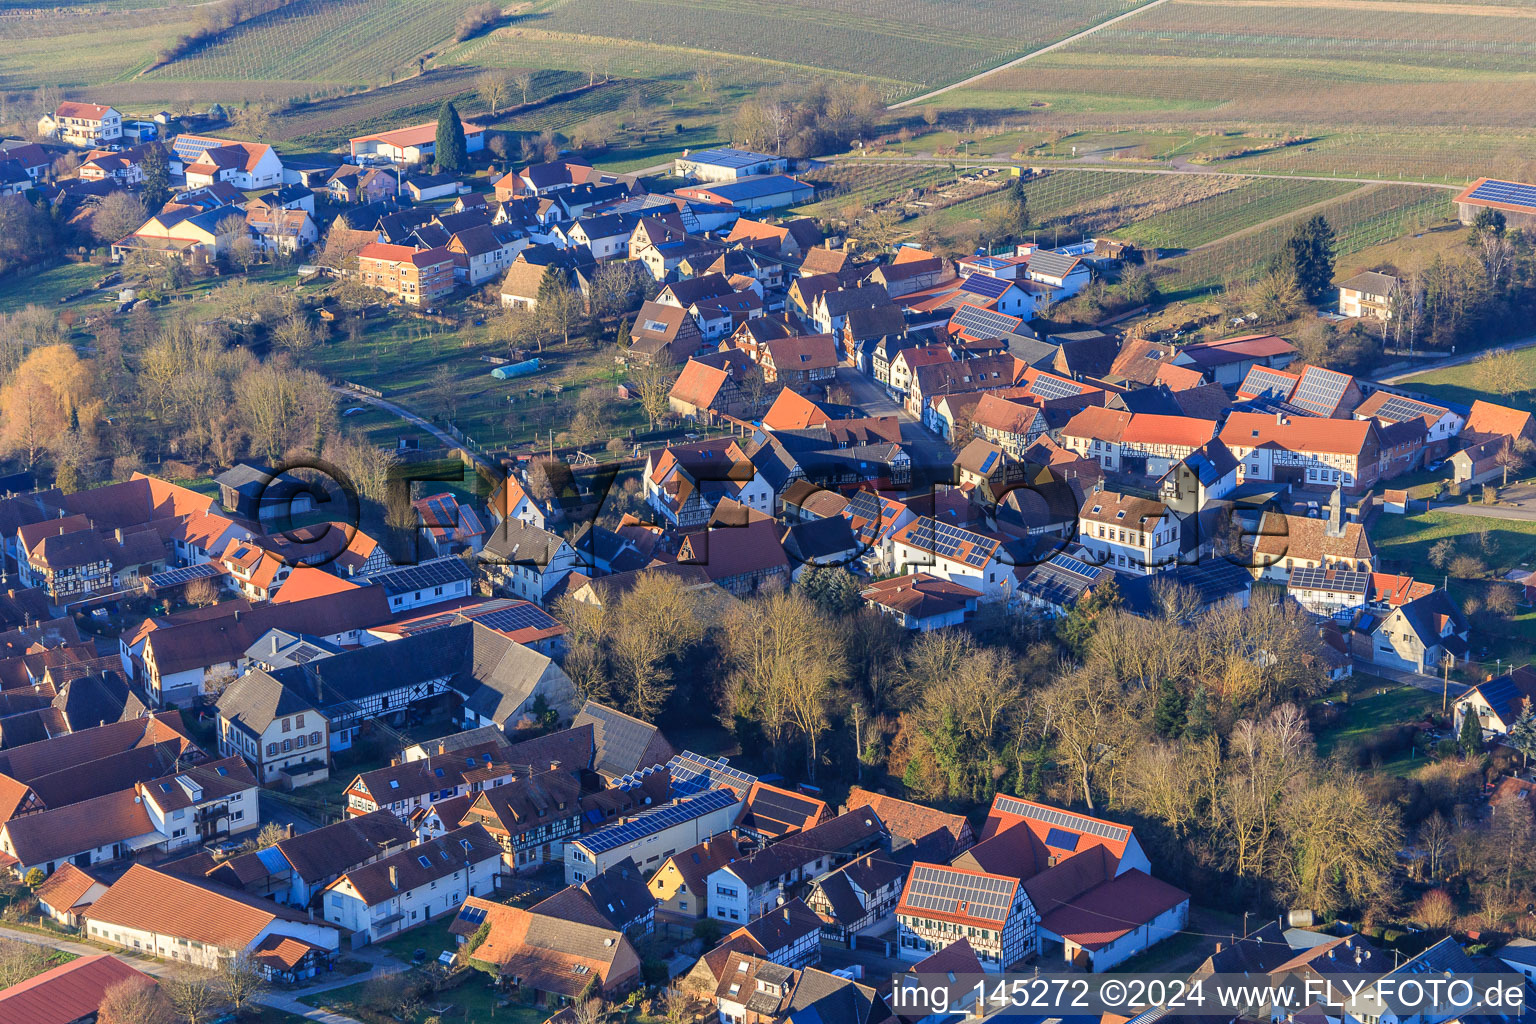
x: 150, y: 900
x: 1248, y: 430
x: 66, y: 886
x: 387, y: 253
x: 68, y: 992
x: 793, y: 411
x: 920, y: 595
x: 1487, y: 419
x: 86, y: 111
x: 306, y: 581
x: 1106, y: 912
x: 415, y: 135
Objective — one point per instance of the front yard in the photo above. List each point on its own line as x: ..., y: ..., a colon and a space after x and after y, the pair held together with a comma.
x: 474, y: 1002
x: 1364, y: 709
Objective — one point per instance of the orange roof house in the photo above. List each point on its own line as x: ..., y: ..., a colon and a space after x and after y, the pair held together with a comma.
x: 1488, y: 421
x: 793, y: 411
x: 551, y: 955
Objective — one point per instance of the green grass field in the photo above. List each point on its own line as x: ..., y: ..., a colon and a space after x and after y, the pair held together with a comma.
x: 1404, y: 541
x: 48, y: 287
x: 1367, y: 705
x: 1458, y: 383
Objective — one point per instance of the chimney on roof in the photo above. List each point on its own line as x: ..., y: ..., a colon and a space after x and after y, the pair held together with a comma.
x: 237, y: 615
x: 786, y: 915
x: 394, y: 877
x: 118, y: 533
x: 1218, y: 947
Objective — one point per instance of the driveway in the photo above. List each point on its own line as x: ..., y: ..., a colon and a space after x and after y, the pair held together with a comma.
x: 282, y: 813
x: 1523, y: 513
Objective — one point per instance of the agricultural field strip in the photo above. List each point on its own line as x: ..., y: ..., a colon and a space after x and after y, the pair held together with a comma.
x: 299, y: 42
x: 1364, y: 217
x: 1089, y: 168
x: 1023, y: 58
x: 1251, y: 203
x: 572, y: 51
x: 78, y: 59
x: 925, y: 39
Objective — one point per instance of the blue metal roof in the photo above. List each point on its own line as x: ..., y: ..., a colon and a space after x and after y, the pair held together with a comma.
x: 728, y: 157
x: 758, y: 187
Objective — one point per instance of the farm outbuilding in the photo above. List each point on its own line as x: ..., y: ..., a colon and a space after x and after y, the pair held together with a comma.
x: 726, y: 165
x: 1514, y: 199
x: 766, y: 192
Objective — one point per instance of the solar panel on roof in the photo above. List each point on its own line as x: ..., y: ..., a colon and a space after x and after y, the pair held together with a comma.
x: 1061, y: 839
x: 1398, y: 409
x: 947, y: 891
x: 1047, y: 386
x: 517, y: 617
x: 1340, y: 581
x: 1262, y: 380
x: 1513, y: 193
x: 692, y: 773
x: 1062, y: 819
x: 1319, y: 391
x: 434, y: 573
x: 981, y: 284
x: 656, y: 820
x: 983, y: 323
x: 186, y: 574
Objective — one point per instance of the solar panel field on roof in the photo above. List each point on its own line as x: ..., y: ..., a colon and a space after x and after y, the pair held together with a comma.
x: 692, y: 773
x: 981, y: 284
x: 1062, y: 819
x: 1319, y: 391
x: 1340, y: 581
x: 435, y: 573
x: 1514, y: 193
x: 983, y: 323
x: 1262, y: 380
x: 947, y: 891
x: 1047, y: 386
x: 1398, y: 409
x: 657, y: 819
x: 517, y: 617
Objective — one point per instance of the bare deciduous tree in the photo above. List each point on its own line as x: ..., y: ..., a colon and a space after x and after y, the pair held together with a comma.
x: 492, y: 86
x: 243, y: 980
